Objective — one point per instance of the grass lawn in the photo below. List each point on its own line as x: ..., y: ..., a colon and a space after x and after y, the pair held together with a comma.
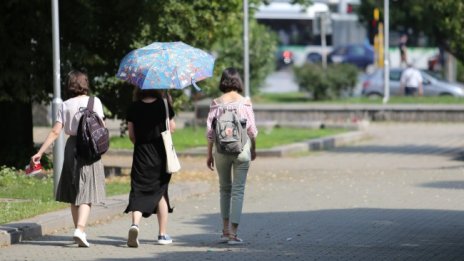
x: 24, y: 197
x: 189, y: 138
x: 300, y: 97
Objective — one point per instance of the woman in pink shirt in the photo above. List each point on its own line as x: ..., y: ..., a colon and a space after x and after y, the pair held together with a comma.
x: 232, y: 168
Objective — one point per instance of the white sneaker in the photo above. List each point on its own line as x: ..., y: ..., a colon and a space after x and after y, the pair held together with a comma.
x: 235, y: 240
x: 133, y: 238
x: 80, y: 238
x: 164, y: 240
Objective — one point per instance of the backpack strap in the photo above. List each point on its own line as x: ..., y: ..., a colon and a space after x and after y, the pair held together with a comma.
x: 90, y: 103
x: 223, y: 106
x: 167, y: 113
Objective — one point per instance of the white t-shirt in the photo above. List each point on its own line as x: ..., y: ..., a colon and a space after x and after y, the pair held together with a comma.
x: 69, y: 114
x: 411, y: 77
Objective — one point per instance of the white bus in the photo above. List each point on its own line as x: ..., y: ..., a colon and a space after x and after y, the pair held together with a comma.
x: 298, y: 29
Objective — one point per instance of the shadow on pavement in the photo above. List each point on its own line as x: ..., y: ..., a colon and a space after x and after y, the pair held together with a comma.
x: 448, y: 184
x: 338, y: 234
x: 407, y: 149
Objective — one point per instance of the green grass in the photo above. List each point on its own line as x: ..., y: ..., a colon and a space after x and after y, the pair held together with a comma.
x: 281, y: 136
x: 24, y: 197
x: 300, y: 97
x: 183, y: 139
x: 31, y: 196
x: 190, y: 138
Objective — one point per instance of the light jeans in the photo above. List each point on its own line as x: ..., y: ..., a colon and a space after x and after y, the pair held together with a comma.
x: 232, y: 171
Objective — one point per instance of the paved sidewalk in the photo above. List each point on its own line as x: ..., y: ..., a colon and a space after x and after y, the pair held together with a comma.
x: 397, y: 196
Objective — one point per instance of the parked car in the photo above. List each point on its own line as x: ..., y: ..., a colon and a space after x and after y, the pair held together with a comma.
x: 314, y: 58
x: 360, y: 55
x: 372, y: 85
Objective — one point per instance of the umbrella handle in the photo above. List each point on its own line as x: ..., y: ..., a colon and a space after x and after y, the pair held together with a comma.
x: 194, y: 83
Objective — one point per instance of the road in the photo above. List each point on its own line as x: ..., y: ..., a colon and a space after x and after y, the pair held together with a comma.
x: 396, y: 196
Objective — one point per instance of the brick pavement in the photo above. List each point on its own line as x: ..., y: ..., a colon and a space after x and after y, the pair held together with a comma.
x: 397, y: 196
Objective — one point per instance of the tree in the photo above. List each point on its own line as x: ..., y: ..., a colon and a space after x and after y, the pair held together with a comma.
x: 96, y: 35
x: 442, y: 21
x: 25, y: 35
x: 91, y: 36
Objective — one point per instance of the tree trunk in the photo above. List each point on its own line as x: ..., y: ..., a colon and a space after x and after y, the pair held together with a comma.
x: 16, y: 136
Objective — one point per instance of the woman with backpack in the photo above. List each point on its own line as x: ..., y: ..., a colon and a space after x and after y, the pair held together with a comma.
x: 82, y: 183
x: 232, y: 129
x: 146, y: 118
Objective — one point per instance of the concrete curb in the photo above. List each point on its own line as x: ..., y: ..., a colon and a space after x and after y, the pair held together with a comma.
x: 48, y: 223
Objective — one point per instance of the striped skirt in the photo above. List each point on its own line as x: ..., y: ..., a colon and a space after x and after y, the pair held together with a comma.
x: 80, y: 183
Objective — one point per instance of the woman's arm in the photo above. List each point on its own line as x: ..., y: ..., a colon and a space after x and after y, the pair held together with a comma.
x: 209, y: 158
x: 172, y: 125
x: 52, y: 135
x: 253, y: 148
x: 130, y: 128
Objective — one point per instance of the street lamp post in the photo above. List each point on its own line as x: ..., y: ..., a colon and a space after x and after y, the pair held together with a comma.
x: 246, y: 54
x: 386, y: 56
x: 58, y: 155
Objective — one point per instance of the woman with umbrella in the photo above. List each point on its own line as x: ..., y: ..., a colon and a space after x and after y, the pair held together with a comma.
x: 149, y: 179
x: 158, y: 66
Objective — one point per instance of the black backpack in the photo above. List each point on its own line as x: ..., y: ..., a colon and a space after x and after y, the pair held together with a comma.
x: 92, y: 137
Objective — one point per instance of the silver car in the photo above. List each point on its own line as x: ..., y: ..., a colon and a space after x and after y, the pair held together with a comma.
x: 372, y: 85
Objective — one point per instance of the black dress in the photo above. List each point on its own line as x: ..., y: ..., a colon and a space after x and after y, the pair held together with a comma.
x: 149, y: 180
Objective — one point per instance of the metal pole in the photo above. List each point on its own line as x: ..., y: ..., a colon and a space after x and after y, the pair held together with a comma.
x: 386, y: 52
x: 246, y: 53
x: 323, y: 42
x: 58, y: 149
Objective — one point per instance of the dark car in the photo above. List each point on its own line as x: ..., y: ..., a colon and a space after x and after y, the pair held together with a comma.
x: 314, y: 58
x: 372, y: 85
x: 360, y: 55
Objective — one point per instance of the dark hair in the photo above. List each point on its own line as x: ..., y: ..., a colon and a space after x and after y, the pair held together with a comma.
x: 78, y: 83
x: 140, y: 94
x: 231, y: 81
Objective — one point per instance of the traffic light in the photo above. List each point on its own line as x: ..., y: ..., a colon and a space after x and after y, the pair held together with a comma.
x: 375, y: 21
x: 374, y: 28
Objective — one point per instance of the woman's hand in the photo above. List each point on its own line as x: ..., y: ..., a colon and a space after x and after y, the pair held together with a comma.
x: 36, y: 159
x: 210, y: 162
x: 52, y: 135
x: 172, y: 125
x: 253, y: 154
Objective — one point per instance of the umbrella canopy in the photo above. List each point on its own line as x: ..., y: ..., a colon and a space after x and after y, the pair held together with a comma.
x: 168, y: 65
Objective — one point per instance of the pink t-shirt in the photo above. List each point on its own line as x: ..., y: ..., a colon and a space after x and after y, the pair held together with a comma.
x: 244, y: 109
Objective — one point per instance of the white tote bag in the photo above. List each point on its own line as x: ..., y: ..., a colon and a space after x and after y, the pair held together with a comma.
x: 172, y: 162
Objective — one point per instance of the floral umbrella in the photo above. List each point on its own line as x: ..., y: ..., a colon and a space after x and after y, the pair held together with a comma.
x: 166, y: 65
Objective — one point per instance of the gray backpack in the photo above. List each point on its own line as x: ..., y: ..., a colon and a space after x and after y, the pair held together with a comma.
x: 230, y: 132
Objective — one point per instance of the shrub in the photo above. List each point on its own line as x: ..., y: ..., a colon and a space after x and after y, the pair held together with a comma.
x: 327, y: 84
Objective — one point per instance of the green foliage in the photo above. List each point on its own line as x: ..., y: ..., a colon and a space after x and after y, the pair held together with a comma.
x: 95, y: 35
x: 326, y: 84
x: 460, y: 74
x: 441, y: 21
